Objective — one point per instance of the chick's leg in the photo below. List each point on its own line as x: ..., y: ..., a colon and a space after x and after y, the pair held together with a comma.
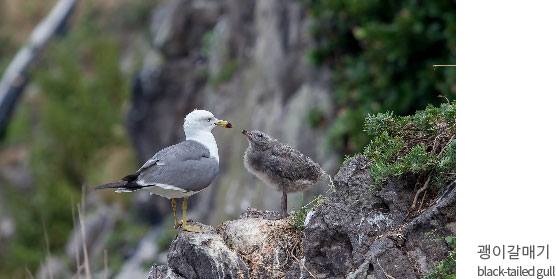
x: 283, y: 207
x: 284, y: 204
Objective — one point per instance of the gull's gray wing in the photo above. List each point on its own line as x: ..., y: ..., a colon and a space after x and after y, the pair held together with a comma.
x: 186, y: 165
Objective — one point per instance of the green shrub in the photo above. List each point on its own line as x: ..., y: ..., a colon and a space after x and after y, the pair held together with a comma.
x: 423, y: 144
x: 382, y: 55
x: 446, y: 268
x: 297, y: 220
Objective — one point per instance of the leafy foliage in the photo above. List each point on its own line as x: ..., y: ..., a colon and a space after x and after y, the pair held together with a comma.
x: 446, y: 269
x: 297, y: 220
x: 424, y: 143
x: 382, y: 54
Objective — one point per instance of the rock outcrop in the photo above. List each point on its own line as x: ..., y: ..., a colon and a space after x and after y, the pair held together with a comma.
x: 355, y: 232
x: 250, y: 247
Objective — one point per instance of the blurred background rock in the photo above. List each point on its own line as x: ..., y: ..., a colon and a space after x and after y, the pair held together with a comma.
x: 115, y: 88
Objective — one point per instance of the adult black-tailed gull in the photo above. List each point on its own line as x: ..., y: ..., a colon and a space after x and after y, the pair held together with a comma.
x: 280, y: 165
x: 180, y: 170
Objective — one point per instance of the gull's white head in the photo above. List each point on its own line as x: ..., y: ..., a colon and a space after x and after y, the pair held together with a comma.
x: 198, y: 125
x: 203, y: 120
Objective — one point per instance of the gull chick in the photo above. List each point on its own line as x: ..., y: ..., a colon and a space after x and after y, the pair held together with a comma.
x: 180, y: 170
x: 280, y: 165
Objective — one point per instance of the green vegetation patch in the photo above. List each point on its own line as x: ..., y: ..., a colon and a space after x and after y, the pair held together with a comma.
x: 446, y: 268
x: 297, y: 220
x: 75, y: 115
x: 382, y: 55
x: 423, y: 144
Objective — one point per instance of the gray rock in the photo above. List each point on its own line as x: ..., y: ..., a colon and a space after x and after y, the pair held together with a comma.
x: 357, y: 233
x: 249, y: 247
x: 178, y: 26
x: 162, y: 272
x: 204, y: 255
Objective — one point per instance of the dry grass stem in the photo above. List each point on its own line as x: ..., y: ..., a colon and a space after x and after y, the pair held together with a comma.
x: 301, y: 264
x: 84, y: 241
x: 384, y: 271
x: 28, y: 273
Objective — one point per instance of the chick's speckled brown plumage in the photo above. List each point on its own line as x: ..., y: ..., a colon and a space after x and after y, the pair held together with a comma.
x: 280, y: 165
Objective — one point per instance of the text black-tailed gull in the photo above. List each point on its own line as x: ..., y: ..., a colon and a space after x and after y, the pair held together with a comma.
x: 280, y: 165
x: 180, y: 170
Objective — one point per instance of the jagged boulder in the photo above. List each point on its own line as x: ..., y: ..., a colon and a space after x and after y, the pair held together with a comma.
x: 200, y: 255
x: 250, y: 247
x: 357, y: 232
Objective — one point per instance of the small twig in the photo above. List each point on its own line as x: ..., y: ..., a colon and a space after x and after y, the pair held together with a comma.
x: 299, y: 262
x: 434, y: 66
x: 435, y: 145
x: 28, y: 273
x: 442, y: 96
x: 429, y: 177
x: 47, y: 251
x: 420, y: 190
x: 422, y: 200
x: 77, y: 260
x: 384, y: 271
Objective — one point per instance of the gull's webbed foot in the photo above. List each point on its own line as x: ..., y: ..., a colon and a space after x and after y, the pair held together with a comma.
x: 191, y: 228
x: 188, y: 228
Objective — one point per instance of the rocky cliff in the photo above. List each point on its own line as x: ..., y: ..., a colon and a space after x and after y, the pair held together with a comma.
x: 353, y: 233
x: 245, y: 61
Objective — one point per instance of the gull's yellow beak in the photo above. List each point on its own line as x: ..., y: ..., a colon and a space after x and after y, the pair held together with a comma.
x: 224, y: 123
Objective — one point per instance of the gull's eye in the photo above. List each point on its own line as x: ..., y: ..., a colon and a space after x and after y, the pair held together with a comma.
x: 209, y: 119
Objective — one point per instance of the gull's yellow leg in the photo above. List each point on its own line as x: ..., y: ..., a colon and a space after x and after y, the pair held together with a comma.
x: 175, y: 216
x: 182, y: 223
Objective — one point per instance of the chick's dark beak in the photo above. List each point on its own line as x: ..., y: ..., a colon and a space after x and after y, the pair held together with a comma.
x: 247, y: 134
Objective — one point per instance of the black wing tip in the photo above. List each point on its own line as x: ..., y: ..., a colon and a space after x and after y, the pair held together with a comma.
x: 111, y: 185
